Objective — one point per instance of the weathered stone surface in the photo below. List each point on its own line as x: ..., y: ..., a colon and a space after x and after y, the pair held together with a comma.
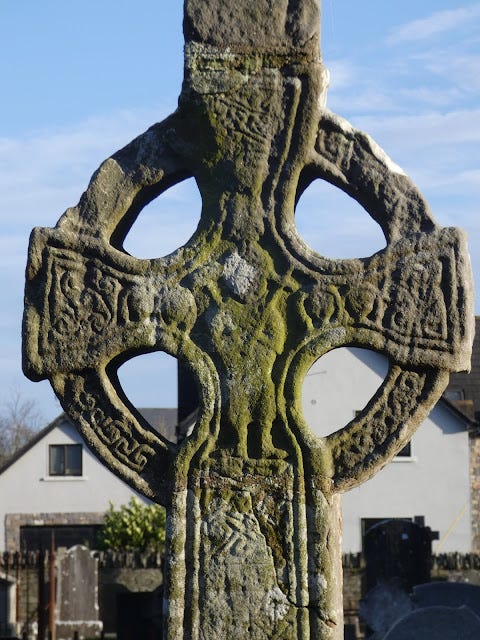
x: 254, y: 25
x: 254, y: 525
x: 77, y: 595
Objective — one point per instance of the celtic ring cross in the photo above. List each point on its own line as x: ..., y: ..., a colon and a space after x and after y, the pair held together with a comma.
x: 247, y: 306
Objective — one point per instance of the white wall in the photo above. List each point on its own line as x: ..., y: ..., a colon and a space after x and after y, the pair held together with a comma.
x: 433, y: 483
x: 26, y: 487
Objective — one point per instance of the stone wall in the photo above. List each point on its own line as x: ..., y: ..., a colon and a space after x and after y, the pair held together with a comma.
x: 14, y: 522
x: 117, y: 573
x: 121, y: 572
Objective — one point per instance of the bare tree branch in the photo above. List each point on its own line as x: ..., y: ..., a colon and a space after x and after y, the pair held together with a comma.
x: 19, y: 421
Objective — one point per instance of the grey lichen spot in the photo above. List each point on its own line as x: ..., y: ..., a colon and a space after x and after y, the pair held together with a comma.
x: 238, y: 274
x: 276, y: 605
x: 317, y: 583
x: 141, y: 300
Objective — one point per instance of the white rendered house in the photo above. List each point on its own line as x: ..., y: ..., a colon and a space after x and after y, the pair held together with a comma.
x: 431, y: 479
x: 55, y: 482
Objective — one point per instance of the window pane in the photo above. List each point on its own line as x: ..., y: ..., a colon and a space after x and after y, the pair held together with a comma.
x: 455, y: 394
x: 65, y: 460
x: 73, y: 466
x: 406, y: 452
x: 57, y: 460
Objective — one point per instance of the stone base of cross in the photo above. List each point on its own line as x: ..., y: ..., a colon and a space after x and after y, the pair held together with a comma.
x: 254, y: 527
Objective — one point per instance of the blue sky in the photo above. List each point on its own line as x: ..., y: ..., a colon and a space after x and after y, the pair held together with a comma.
x: 80, y: 79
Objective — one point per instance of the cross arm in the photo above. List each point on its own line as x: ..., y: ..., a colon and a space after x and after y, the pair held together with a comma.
x: 89, y: 306
x: 351, y: 160
x: 126, y: 182
x: 384, y: 426
x: 412, y: 302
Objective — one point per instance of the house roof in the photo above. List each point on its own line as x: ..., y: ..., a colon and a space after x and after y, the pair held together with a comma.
x: 32, y: 442
x: 163, y: 420
x: 456, y: 409
x: 464, y: 388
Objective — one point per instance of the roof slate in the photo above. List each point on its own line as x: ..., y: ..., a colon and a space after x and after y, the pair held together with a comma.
x: 464, y: 388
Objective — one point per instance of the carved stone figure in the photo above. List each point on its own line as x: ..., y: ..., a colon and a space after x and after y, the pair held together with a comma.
x: 254, y: 533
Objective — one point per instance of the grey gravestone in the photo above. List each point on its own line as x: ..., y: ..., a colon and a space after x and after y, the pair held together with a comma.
x: 77, y: 595
x: 437, y: 623
x: 253, y: 496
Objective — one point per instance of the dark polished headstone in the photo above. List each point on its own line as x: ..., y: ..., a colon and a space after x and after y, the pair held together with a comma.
x: 140, y: 615
x: 437, y: 623
x: 448, y: 594
x: 350, y: 632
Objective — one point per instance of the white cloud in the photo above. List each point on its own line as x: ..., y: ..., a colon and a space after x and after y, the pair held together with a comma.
x: 342, y: 73
x: 462, y: 70
x: 334, y: 224
x: 428, y: 129
x: 426, y: 95
x: 439, y: 151
x: 437, y: 23
x: 38, y: 153
x: 465, y: 182
x: 43, y: 173
x: 361, y: 99
x: 166, y: 223
x: 449, y: 182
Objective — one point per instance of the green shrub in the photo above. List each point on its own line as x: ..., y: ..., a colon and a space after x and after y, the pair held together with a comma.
x: 133, y: 526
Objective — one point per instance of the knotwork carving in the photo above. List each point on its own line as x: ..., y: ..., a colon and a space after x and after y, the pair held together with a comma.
x: 248, y: 307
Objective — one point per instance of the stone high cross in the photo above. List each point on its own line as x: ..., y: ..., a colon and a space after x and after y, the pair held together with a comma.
x: 254, y: 534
